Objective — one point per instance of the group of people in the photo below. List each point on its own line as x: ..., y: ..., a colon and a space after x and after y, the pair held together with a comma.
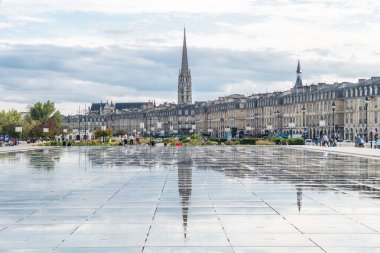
x: 11, y: 142
x: 359, y: 142
x: 131, y: 140
x: 325, y: 141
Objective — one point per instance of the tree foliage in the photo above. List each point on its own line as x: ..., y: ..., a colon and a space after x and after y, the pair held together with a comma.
x: 44, y: 111
x: 39, y: 115
x: 45, y: 115
x: 102, y: 133
x: 8, y: 122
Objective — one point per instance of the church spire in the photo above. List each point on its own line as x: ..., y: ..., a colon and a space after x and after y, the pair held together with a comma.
x: 184, y: 77
x: 185, y: 63
x: 299, y: 67
x: 298, y: 83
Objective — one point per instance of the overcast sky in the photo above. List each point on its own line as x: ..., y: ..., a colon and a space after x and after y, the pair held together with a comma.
x: 76, y: 52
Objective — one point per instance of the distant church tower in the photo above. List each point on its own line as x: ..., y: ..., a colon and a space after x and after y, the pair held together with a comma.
x: 184, y: 78
x: 298, y: 83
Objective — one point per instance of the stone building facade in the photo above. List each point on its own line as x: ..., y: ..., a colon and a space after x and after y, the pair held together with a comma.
x: 306, y: 110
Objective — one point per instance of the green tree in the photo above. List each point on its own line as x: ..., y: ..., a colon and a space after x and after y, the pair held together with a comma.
x: 44, y: 111
x: 102, y: 133
x: 44, y: 115
x: 9, y: 120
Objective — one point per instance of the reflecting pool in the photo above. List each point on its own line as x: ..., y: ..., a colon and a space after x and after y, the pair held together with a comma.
x: 196, y: 199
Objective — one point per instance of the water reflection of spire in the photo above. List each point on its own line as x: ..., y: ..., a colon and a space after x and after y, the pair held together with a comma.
x: 299, y: 198
x: 184, y: 186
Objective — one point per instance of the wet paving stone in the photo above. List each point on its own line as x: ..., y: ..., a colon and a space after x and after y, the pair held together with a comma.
x: 231, y: 199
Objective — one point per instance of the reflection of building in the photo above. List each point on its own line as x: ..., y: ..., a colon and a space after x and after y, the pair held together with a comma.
x: 184, y: 186
x: 299, y: 198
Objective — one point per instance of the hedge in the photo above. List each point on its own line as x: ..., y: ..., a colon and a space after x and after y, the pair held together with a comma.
x: 248, y: 141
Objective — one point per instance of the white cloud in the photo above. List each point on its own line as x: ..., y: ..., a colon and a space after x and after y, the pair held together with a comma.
x: 21, y: 107
x: 130, y: 50
x: 130, y: 6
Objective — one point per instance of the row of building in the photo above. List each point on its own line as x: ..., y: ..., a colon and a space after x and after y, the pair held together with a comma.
x: 343, y: 110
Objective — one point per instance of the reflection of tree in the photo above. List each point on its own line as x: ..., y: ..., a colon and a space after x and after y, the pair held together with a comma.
x: 44, y: 159
x: 11, y: 157
x: 185, y: 185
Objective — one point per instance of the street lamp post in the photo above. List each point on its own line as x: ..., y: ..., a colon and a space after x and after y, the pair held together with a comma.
x: 79, y: 113
x: 303, y: 120
x: 277, y: 115
x: 333, y: 107
x: 103, y: 128
x: 18, y: 130
x: 85, y: 123
x: 64, y: 131
x: 257, y: 121
x: 366, y: 101
x: 45, y: 130
x: 291, y: 126
x: 177, y: 127
x: 209, y: 123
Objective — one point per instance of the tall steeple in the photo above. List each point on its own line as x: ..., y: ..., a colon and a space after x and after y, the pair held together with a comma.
x: 298, y: 83
x: 184, y: 78
x: 185, y: 63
